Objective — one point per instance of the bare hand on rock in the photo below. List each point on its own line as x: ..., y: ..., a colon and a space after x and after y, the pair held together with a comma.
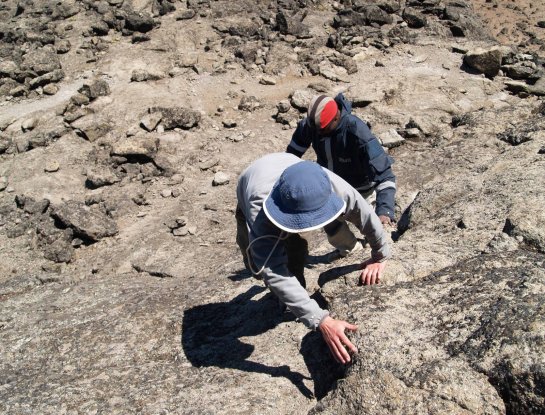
x: 333, y: 332
x: 372, y: 272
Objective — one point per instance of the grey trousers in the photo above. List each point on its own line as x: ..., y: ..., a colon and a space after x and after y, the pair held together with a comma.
x: 339, y: 234
x: 296, y: 249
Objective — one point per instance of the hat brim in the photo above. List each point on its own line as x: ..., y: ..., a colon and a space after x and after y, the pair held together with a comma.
x: 295, y: 222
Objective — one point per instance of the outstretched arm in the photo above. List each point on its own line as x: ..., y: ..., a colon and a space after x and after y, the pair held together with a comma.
x: 301, y: 139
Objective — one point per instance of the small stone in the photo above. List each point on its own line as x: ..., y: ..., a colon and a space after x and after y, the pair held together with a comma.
x: 52, y: 166
x: 79, y: 99
x: 412, y: 133
x: 18, y: 91
x: 208, y: 164
x: 181, y: 221
x: 176, y: 193
x: 249, y: 103
x: 3, y: 182
x: 141, y: 75
x: 94, y: 89
x: 391, y: 139
x: 267, y: 80
x: 166, y: 193
x: 140, y: 199
x: 51, y: 89
x: 29, y: 124
x: 150, y: 121
x: 172, y: 224
x: 300, y: 99
x: 192, y: 230
x: 220, y: 179
x: 53, y: 268
x: 283, y: 106
x: 185, y: 14
x: 487, y: 61
x: 22, y: 144
x: 100, y: 176
x: 180, y: 231
x: 140, y: 37
x: 132, y: 131
x: 229, y: 123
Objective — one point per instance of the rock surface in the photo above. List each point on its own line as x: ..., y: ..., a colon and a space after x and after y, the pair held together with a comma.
x: 467, y: 339
x: 121, y: 286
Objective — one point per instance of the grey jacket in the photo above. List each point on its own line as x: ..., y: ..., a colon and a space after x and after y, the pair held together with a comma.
x: 266, y: 240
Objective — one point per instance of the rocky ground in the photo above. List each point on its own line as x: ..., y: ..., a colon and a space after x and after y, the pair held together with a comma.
x: 123, y: 127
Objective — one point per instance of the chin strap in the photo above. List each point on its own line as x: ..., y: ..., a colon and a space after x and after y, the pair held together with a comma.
x: 283, y: 235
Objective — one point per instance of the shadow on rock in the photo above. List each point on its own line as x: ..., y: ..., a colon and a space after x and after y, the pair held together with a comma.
x: 337, y: 272
x: 324, y: 370
x: 211, y: 335
x: 240, y: 275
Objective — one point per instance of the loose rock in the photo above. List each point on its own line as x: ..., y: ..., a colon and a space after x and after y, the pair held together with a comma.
x: 52, y: 166
x: 487, y: 61
x: 90, y: 224
x: 220, y: 179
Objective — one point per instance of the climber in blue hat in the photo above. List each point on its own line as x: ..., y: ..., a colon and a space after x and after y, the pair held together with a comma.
x: 279, y: 196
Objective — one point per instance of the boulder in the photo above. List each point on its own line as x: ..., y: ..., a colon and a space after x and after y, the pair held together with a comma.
x: 142, y: 75
x: 391, y: 139
x: 374, y: 15
x: 249, y: 103
x: 150, y: 121
x: 92, y: 127
x: 487, y: 61
x: 94, y: 89
x: 300, y: 99
x: 100, y: 176
x: 87, y: 223
x: 291, y: 25
x: 139, y: 22
x: 177, y: 117
x: 54, y: 76
x: 414, y: 18
x: 220, y: 178
x: 137, y: 146
x: 41, y: 61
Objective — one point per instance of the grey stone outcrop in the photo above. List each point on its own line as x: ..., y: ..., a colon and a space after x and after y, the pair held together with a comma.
x: 464, y: 340
x: 86, y: 222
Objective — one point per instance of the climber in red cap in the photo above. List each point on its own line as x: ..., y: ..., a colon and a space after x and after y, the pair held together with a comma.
x: 345, y: 145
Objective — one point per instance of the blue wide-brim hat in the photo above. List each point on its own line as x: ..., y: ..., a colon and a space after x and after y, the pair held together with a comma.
x: 302, y: 199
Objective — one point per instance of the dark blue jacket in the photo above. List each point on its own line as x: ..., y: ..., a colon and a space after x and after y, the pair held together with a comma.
x: 352, y: 152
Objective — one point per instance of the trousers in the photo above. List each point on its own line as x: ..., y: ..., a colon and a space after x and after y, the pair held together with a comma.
x: 339, y: 234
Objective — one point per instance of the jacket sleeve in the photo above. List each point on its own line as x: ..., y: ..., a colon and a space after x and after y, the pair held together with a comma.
x: 380, y: 170
x: 301, y: 139
x: 290, y: 292
x: 272, y: 256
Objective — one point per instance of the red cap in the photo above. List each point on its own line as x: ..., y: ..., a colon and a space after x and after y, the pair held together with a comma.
x: 328, y: 113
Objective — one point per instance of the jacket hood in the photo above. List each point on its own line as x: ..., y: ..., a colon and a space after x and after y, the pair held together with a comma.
x: 344, y: 105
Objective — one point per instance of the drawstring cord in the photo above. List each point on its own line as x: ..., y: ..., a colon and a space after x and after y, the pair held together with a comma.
x: 280, y: 237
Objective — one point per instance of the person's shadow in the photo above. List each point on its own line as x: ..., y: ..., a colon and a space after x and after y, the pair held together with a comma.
x: 211, y: 337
